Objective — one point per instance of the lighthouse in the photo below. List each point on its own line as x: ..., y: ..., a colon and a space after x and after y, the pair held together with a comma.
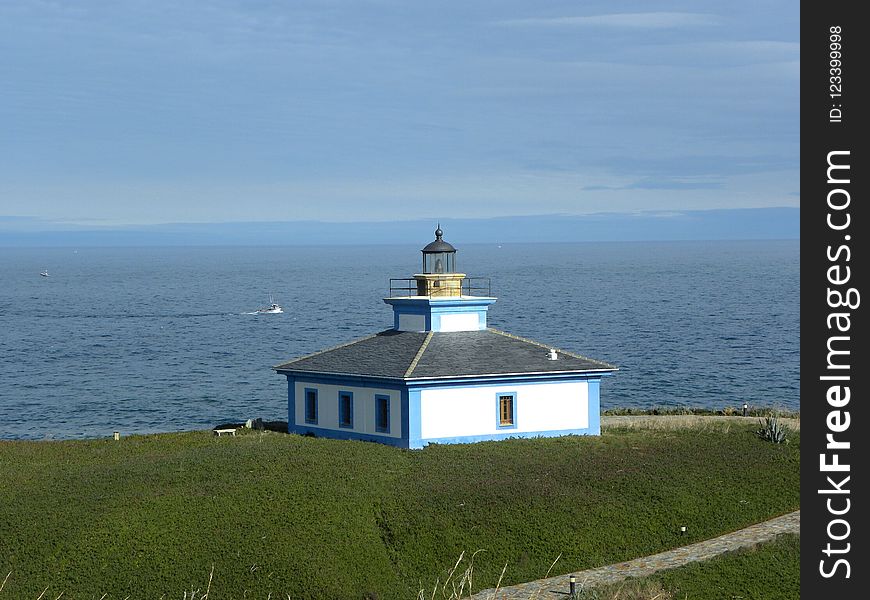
x: 439, y: 298
x: 440, y: 374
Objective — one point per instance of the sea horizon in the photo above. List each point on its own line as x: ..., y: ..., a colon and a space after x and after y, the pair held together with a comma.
x: 143, y: 340
x: 671, y: 225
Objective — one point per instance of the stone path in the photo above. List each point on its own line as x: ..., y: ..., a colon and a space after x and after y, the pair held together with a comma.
x: 557, y: 587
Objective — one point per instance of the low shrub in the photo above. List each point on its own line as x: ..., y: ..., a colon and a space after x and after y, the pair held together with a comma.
x: 772, y: 430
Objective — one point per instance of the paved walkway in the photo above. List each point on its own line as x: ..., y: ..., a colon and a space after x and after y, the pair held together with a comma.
x: 557, y: 587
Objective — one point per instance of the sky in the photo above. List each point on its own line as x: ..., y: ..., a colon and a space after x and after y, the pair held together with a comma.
x: 124, y: 112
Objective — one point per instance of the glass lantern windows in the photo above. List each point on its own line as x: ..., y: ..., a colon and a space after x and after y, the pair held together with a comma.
x: 439, y: 262
x: 439, y: 256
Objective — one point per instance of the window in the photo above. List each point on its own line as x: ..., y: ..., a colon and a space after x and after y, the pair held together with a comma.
x: 345, y: 409
x: 311, y: 406
x: 506, y: 405
x: 382, y: 413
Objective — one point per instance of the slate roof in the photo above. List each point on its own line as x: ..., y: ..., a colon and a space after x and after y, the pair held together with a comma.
x: 408, y: 355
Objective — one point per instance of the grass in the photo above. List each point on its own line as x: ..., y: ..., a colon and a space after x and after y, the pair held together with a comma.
x: 728, y: 411
x: 698, y: 423
x: 770, y: 571
x: 268, y: 513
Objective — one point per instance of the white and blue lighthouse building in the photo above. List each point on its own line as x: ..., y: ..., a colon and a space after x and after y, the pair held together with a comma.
x: 441, y: 374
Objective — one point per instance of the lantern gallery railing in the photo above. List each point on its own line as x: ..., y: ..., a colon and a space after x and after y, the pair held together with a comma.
x: 471, y: 286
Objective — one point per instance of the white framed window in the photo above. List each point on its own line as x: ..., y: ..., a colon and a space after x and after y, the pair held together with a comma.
x: 506, y: 410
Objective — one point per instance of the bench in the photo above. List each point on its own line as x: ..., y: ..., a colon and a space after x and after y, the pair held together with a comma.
x: 231, y: 430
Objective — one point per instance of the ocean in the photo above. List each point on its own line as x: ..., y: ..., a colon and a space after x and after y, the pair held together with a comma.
x: 155, y: 339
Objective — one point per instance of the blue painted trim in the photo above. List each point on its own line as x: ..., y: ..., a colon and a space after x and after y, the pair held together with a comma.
x: 498, y: 396
x: 415, y: 431
x: 379, y: 413
x: 310, y: 420
x: 518, y: 379
x: 404, y: 416
x: 291, y: 402
x: 438, y: 302
x: 468, y: 439
x: 463, y: 302
x: 340, y: 379
x: 350, y: 436
x: 476, y: 381
x: 406, y: 306
x: 456, y: 309
x: 433, y: 309
x: 341, y: 394
x: 595, y: 406
x: 419, y: 306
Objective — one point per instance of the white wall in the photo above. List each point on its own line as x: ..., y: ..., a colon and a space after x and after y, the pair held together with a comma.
x: 456, y: 412
x: 460, y: 322
x: 363, y: 408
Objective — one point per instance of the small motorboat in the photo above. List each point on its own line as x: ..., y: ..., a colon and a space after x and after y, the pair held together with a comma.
x: 272, y: 309
x: 44, y: 273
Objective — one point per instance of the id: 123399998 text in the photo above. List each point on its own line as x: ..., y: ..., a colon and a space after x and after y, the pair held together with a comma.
x: 835, y: 87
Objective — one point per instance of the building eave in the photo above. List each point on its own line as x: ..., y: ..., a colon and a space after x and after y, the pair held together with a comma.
x: 334, y: 374
x: 583, y: 372
x: 451, y: 378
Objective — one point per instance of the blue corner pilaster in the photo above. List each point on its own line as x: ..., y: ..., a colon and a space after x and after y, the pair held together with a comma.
x: 595, y: 406
x: 415, y: 436
x: 291, y: 404
x: 404, y: 414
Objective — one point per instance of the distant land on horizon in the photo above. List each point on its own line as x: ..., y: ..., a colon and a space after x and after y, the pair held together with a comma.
x: 722, y: 224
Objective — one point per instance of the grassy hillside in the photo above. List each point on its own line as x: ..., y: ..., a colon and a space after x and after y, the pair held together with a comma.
x: 770, y: 571
x: 313, y: 518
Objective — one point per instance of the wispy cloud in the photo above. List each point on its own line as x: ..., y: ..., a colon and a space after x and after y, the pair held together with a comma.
x: 135, y: 111
x: 645, y: 20
x: 663, y: 183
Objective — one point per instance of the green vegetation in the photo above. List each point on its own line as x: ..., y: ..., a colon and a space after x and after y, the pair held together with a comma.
x: 770, y: 571
x: 773, y: 430
x: 728, y: 411
x: 314, y: 518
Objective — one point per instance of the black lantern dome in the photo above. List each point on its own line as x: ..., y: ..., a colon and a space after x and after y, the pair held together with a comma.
x: 439, y: 256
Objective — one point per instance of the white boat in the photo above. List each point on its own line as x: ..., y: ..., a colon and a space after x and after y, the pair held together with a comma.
x: 44, y: 273
x: 272, y: 309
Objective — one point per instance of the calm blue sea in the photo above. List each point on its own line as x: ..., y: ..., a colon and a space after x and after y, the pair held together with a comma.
x: 157, y: 339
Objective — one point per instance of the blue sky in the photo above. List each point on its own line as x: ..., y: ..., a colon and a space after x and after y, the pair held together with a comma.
x: 134, y: 112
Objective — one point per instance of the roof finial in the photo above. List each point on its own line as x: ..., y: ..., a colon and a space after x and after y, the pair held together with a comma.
x: 438, y: 232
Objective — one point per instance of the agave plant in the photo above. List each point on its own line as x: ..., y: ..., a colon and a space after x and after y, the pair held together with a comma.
x: 772, y: 430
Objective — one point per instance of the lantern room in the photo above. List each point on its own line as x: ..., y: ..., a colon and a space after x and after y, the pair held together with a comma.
x: 439, y: 256
x: 439, y: 298
x: 439, y: 276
